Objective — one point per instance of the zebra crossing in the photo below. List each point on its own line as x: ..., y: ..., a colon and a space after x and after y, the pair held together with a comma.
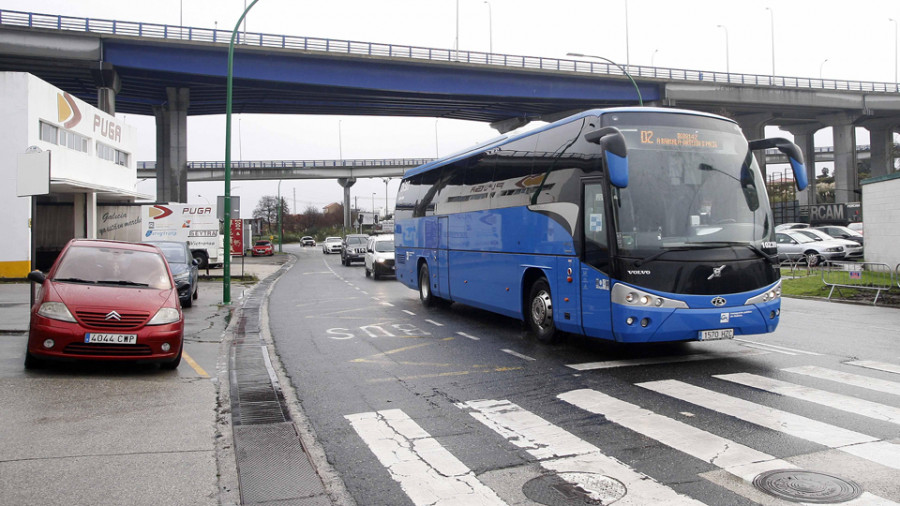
x: 429, y: 473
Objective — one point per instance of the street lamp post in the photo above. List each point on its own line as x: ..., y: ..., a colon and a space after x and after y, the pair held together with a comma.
x: 653, y: 58
x: 386, y: 181
x: 226, y: 264
x: 772, y: 25
x: 373, y: 212
x: 636, y: 89
x: 490, y: 29
x: 279, y: 216
x: 820, y: 67
x: 727, y: 57
x: 340, y: 142
x: 895, y: 49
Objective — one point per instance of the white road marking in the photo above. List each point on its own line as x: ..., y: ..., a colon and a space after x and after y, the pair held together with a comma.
x: 856, y: 380
x: 469, y: 336
x: 558, y: 450
x: 836, y: 401
x: 735, y: 458
x: 435, y: 323
x: 767, y: 348
x: 848, y: 441
x: 410, y: 313
x: 791, y: 351
x: 426, y: 471
x: 517, y: 354
x: 587, y: 366
x: 878, y: 366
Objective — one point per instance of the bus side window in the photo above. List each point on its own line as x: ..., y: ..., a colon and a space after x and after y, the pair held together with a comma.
x: 596, y: 245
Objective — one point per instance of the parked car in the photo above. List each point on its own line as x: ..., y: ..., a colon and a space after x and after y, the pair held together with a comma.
x: 106, y: 300
x: 793, y: 245
x: 842, y: 233
x: 353, y: 248
x: 379, y: 257
x: 790, y: 226
x: 852, y: 249
x: 263, y: 247
x: 331, y: 245
x: 307, y: 241
x: 185, y: 269
x: 856, y: 226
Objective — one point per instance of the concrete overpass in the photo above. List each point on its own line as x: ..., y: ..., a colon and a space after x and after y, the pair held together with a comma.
x: 172, y: 72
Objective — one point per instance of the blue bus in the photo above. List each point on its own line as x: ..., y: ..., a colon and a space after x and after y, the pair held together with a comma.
x: 627, y: 224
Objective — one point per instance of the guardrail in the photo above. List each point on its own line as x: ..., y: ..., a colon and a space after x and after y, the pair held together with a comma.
x: 298, y: 164
x: 858, y: 275
x: 189, y: 33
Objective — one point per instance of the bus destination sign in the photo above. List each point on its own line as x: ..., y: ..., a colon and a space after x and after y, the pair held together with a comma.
x: 678, y: 139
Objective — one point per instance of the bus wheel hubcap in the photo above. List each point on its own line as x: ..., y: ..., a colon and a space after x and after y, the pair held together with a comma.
x: 542, y: 309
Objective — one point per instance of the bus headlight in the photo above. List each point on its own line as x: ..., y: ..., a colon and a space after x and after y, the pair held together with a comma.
x: 630, y: 296
x: 769, y: 295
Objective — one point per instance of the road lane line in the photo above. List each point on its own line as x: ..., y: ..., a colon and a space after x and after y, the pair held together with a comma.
x: 878, y: 366
x: 517, y: 354
x: 847, y: 441
x: 791, y: 350
x: 410, y: 313
x: 589, y: 366
x: 199, y: 370
x: 736, y: 459
x: 878, y: 385
x: 435, y: 323
x: 469, y: 336
x: 560, y: 451
x: 425, y: 470
x: 837, y: 401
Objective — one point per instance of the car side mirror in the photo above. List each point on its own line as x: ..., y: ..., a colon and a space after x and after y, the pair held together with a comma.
x: 36, y: 277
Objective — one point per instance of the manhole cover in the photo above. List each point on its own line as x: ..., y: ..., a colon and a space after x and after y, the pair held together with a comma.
x: 574, y: 489
x: 806, y: 486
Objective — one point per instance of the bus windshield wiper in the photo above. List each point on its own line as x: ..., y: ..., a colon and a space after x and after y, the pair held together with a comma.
x: 658, y: 254
x: 693, y: 246
x: 756, y: 249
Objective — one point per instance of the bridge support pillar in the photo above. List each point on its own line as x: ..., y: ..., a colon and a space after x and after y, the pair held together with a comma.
x: 754, y: 127
x: 108, y: 85
x: 346, y: 183
x: 171, y: 146
x: 881, y: 142
x: 846, y: 180
x: 804, y: 136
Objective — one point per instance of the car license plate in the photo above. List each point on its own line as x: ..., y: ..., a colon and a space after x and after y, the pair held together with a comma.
x: 93, y: 337
x: 712, y: 335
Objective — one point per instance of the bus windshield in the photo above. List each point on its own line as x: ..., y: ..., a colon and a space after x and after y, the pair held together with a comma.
x: 693, y: 182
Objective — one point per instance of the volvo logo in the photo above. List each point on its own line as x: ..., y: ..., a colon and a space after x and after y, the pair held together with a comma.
x: 112, y: 315
x: 717, y: 272
x: 718, y: 301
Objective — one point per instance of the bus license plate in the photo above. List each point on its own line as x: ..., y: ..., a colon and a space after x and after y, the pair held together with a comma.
x: 712, y: 335
x: 93, y: 337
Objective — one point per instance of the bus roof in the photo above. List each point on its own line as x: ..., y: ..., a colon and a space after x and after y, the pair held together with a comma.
x: 505, y: 139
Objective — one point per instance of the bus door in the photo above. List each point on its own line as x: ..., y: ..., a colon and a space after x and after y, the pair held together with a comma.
x: 443, y: 258
x: 596, y: 311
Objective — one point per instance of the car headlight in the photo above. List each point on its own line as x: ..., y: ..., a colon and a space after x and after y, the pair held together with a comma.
x: 767, y: 296
x: 164, y: 316
x: 56, y: 311
x: 629, y: 296
x: 184, y: 276
x: 835, y: 249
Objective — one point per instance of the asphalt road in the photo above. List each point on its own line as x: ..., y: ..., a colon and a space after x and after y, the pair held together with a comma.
x: 454, y: 405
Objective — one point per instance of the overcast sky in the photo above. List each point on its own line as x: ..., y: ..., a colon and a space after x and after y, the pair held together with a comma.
x: 811, y: 38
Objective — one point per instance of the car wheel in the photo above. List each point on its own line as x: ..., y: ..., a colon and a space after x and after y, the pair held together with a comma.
x: 204, y: 259
x: 32, y: 362
x: 197, y: 291
x: 812, y: 258
x: 186, y: 303
x: 539, y: 312
x: 375, y: 274
x: 368, y: 272
x: 171, y: 366
x: 425, y: 294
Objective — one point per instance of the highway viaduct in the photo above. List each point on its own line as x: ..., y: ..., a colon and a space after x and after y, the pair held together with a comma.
x: 172, y: 72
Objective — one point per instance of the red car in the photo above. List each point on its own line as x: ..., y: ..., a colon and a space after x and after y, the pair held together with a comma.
x: 106, y: 300
x: 263, y: 248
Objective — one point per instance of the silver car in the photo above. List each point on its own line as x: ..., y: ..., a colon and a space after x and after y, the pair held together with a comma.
x: 793, y: 245
x: 331, y: 245
x: 852, y: 249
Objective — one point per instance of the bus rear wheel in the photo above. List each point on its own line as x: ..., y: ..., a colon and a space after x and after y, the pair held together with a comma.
x: 540, y: 312
x: 425, y: 294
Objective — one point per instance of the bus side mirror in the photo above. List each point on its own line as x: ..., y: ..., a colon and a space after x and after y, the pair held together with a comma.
x: 792, y: 151
x: 615, y: 152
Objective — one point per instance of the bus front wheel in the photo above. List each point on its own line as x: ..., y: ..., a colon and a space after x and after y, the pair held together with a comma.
x: 425, y: 294
x: 540, y: 312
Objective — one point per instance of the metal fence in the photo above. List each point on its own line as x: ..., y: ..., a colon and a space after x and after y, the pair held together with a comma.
x: 858, y: 275
x: 188, y: 33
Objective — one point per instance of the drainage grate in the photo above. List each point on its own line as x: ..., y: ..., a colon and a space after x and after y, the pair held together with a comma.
x: 806, y: 486
x: 574, y: 489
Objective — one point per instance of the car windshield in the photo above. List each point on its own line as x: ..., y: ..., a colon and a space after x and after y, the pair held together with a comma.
x: 115, y: 266
x: 802, y: 239
x: 262, y: 243
x: 174, y: 253
x: 356, y: 240
x: 332, y: 239
x: 384, y: 246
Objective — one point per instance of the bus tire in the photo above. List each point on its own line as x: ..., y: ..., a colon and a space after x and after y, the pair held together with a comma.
x: 425, y: 294
x: 203, y: 257
x: 539, y: 312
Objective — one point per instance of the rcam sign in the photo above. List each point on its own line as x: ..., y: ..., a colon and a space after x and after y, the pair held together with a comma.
x: 826, y: 213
